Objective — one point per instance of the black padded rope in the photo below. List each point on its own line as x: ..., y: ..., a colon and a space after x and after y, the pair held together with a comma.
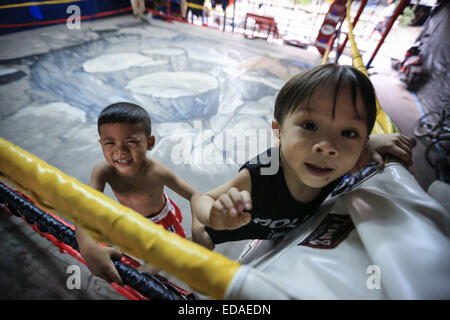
x: 148, y: 285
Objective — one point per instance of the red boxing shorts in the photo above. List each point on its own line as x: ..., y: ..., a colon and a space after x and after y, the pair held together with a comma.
x: 170, y: 218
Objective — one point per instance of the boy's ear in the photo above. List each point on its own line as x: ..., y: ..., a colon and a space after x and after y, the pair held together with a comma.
x: 151, y: 142
x: 276, y: 131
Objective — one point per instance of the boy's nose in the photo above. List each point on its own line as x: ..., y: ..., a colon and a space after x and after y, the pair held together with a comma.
x: 325, y: 148
x: 121, y: 148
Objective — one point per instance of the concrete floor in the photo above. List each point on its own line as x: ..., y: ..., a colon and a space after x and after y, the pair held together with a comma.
x: 31, y: 268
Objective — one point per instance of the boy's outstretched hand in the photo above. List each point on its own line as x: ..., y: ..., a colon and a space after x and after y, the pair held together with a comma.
x: 229, y: 210
x: 98, y: 261
x: 379, y: 145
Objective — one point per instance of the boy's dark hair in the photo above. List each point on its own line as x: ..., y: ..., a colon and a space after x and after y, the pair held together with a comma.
x: 301, y: 87
x: 125, y: 112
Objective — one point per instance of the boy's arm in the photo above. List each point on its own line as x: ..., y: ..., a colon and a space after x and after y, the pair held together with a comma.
x: 180, y: 186
x: 184, y: 189
x: 199, y: 234
x: 396, y: 144
x: 97, y: 182
x: 98, y: 258
x: 225, y: 206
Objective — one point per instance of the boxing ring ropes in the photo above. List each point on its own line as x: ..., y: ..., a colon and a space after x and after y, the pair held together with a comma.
x: 109, y: 222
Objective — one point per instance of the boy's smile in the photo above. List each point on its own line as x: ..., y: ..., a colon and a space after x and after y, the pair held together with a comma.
x: 318, y: 170
x: 318, y: 147
x: 125, y: 146
x: 123, y: 162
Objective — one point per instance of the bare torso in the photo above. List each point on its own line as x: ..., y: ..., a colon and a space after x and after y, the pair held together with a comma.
x: 142, y: 193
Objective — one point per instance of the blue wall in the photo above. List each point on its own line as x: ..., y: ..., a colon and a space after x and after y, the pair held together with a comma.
x: 32, y: 14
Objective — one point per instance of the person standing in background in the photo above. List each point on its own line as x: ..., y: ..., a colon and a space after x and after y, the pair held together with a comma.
x: 138, y: 8
x: 387, y: 13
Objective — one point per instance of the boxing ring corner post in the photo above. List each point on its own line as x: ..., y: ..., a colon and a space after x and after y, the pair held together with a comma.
x: 108, y: 221
x: 398, y: 10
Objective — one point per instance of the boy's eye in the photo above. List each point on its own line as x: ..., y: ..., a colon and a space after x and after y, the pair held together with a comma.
x: 131, y: 141
x: 349, y: 134
x: 109, y: 143
x: 310, y: 126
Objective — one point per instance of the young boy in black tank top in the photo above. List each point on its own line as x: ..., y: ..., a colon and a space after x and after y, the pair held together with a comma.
x: 323, y: 119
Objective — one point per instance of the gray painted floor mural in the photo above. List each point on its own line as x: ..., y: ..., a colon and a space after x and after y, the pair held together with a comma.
x: 197, y: 84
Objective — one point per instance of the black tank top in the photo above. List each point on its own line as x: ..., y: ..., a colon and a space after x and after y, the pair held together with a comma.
x: 274, y: 210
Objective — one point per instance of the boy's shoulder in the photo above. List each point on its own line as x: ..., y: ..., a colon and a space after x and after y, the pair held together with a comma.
x: 262, y: 160
x: 156, y: 168
x: 100, y: 175
x: 102, y: 168
x: 157, y: 172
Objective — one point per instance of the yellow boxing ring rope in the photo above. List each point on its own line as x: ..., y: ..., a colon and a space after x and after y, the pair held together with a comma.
x: 383, y: 123
x: 108, y: 221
